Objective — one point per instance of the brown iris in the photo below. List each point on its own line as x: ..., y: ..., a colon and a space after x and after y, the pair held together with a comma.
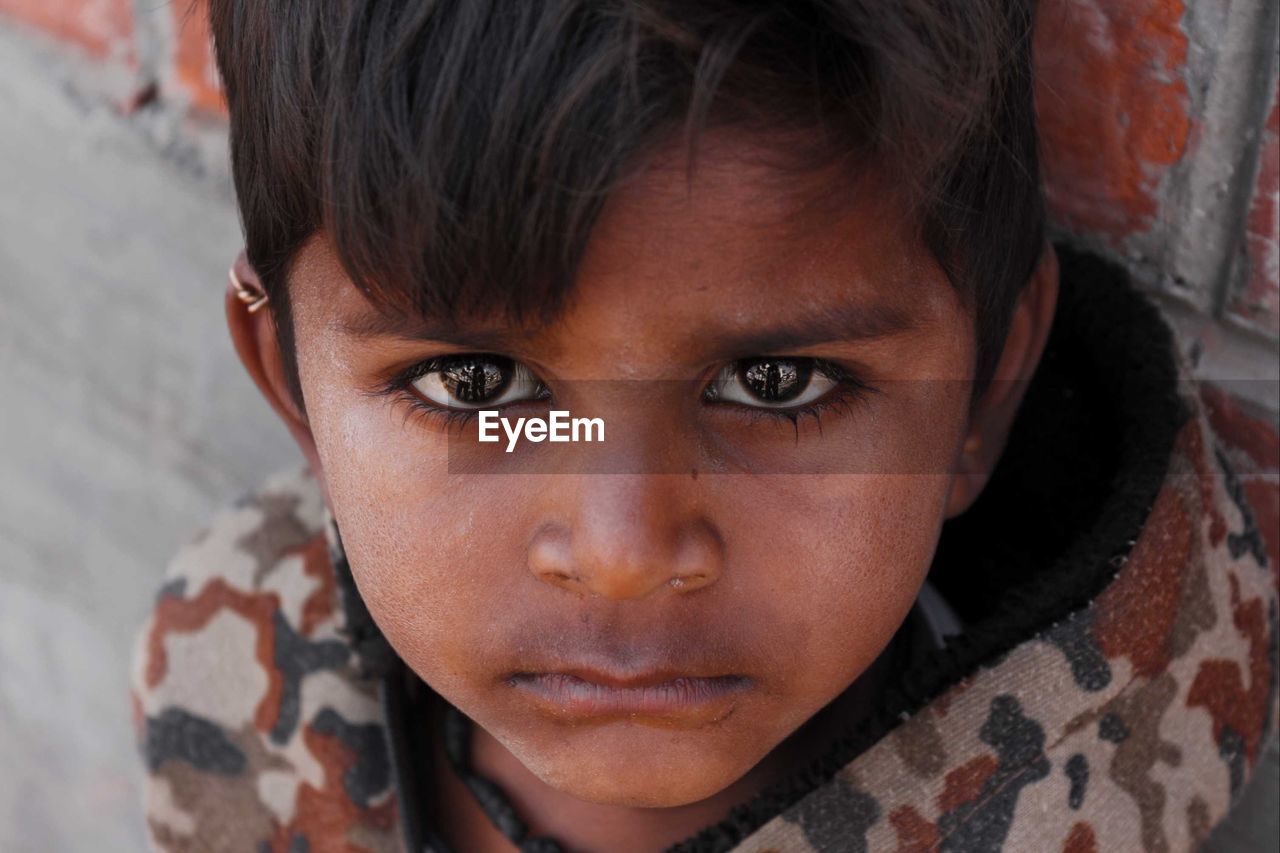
x: 472, y: 379
x: 775, y: 380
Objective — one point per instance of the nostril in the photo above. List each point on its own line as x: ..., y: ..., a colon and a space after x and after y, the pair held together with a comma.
x: 549, y: 556
x: 615, y: 563
x: 559, y: 577
x: 689, y: 582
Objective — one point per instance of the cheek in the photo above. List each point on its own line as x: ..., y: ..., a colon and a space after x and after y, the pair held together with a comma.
x: 840, y: 564
x: 841, y: 556
x: 424, y: 547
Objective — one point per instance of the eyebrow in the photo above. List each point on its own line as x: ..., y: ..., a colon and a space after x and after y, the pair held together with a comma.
x: 409, y: 327
x: 838, y: 323
x: 842, y: 322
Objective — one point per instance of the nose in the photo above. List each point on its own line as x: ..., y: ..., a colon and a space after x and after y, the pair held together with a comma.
x: 627, y: 537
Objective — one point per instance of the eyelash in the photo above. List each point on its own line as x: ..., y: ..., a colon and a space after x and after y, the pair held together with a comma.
x: 849, y: 392
x: 399, y: 387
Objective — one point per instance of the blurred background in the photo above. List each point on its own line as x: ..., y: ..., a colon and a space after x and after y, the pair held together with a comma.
x: 125, y: 420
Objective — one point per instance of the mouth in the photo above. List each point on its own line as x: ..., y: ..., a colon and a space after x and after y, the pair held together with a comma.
x: 664, y: 698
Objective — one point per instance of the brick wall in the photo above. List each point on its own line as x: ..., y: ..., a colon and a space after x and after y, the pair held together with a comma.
x: 104, y: 28
x: 194, y: 71
x: 1158, y: 146
x: 1258, y: 299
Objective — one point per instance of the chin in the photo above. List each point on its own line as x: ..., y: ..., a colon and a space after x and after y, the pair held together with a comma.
x: 636, y: 766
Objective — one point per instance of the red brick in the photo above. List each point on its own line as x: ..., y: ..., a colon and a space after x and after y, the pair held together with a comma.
x: 102, y: 27
x: 194, y: 68
x: 1259, y: 304
x: 1113, y: 110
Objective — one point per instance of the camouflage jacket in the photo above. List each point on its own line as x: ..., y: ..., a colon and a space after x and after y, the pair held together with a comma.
x: 1127, y: 718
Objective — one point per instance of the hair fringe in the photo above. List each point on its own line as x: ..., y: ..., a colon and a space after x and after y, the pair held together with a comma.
x: 458, y: 152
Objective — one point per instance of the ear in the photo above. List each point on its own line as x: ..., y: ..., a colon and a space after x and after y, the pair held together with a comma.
x: 993, y: 414
x: 254, y: 335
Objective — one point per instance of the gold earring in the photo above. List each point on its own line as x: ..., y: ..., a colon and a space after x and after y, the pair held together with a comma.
x: 251, y: 295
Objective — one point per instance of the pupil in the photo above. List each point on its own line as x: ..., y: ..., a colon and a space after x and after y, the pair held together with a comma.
x: 475, y: 380
x: 776, y: 381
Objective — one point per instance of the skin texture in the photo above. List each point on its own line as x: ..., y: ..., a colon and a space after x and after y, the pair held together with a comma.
x: 787, y: 543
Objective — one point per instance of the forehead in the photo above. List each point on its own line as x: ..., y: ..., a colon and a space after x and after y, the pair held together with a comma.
x: 740, y: 236
x: 750, y: 218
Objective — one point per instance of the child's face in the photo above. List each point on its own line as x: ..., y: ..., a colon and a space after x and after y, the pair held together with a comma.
x: 788, y: 583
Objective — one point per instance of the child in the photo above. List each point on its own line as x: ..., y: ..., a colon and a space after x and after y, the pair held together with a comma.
x: 838, y: 575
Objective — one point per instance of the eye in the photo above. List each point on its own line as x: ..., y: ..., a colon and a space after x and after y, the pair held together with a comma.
x: 477, y: 381
x: 773, y: 383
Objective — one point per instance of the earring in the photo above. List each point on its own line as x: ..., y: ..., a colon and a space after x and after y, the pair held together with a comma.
x: 251, y: 295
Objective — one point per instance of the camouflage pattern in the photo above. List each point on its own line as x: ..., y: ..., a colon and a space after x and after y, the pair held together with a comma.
x: 1129, y: 725
x: 259, y: 726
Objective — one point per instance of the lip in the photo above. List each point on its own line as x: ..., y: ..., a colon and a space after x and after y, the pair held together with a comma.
x: 673, y: 698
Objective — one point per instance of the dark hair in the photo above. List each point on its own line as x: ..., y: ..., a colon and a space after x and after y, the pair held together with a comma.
x: 458, y: 152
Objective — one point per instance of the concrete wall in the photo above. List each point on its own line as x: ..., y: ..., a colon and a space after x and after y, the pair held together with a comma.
x: 124, y: 421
